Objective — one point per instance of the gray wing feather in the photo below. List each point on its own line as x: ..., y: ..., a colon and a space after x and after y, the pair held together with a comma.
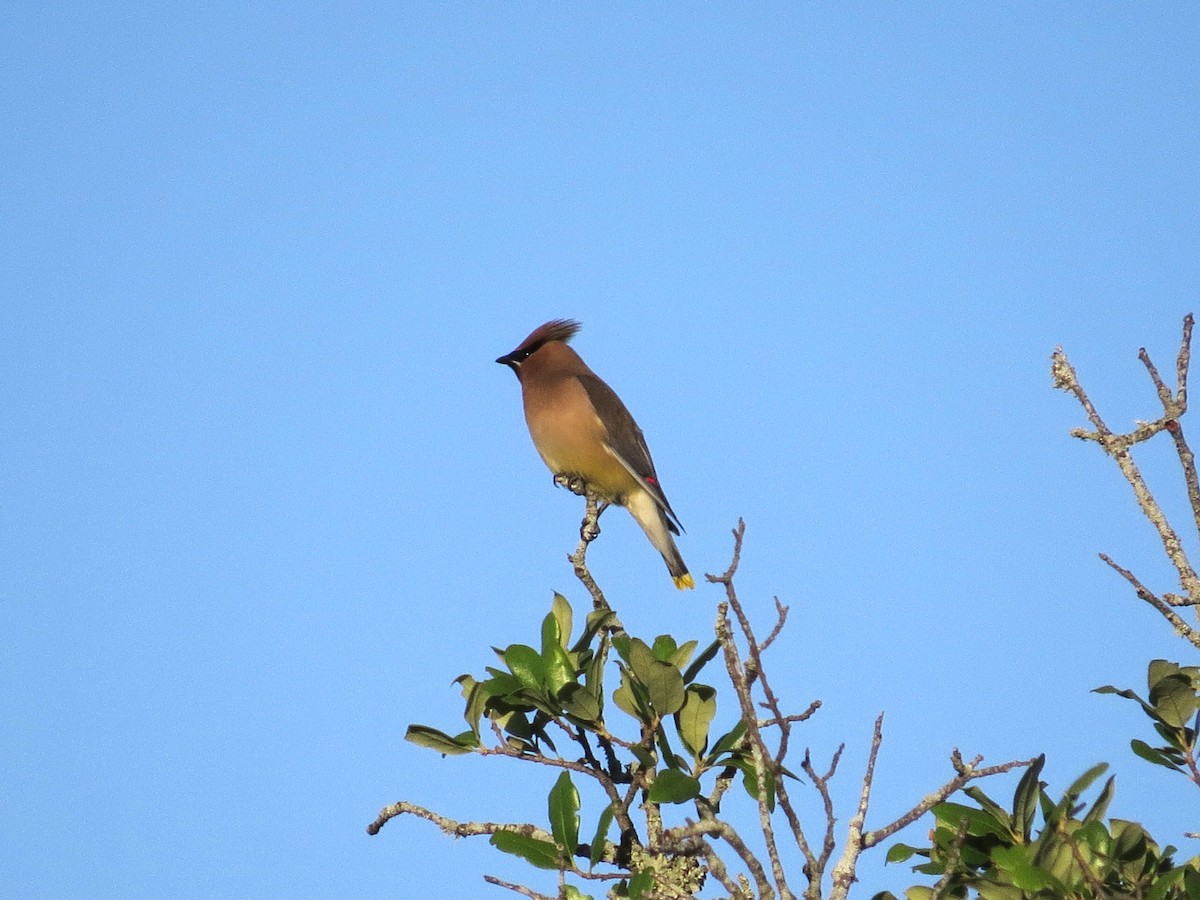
x: 627, y: 442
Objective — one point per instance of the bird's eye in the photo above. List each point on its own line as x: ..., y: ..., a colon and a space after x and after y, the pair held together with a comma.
x: 521, y: 355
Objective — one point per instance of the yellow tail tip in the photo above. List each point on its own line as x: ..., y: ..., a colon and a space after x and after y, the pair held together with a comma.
x: 685, y: 581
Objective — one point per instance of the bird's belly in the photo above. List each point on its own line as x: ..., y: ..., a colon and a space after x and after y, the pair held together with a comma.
x: 590, y: 460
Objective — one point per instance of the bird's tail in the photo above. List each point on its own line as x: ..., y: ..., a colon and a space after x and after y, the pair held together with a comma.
x: 646, y: 511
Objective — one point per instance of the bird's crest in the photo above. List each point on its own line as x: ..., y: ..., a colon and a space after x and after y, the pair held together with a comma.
x: 554, y: 330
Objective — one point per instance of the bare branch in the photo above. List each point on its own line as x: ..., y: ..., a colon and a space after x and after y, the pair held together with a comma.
x: 844, y: 869
x: 620, y: 805
x: 518, y: 888
x: 710, y: 825
x: 1181, y: 627
x: 758, y: 751
x: 792, y: 719
x: 821, y: 782
x: 782, y: 612
x: 942, y: 886
x: 589, y: 530
x: 967, y: 772
x: 450, y: 826
x: 1118, y: 446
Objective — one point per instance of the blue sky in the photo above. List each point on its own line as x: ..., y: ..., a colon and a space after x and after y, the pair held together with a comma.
x: 264, y: 493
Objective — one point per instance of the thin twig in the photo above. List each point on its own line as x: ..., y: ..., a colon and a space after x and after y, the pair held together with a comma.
x: 782, y: 613
x: 844, y: 870
x: 758, y: 751
x: 518, y: 888
x: 1118, y: 446
x: 589, y: 530
x: 450, y: 826
x: 726, y: 832
x: 942, y: 886
x: 821, y: 783
x: 1164, y: 609
x: 967, y: 772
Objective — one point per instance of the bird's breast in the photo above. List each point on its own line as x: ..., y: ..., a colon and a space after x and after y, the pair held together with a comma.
x: 572, y: 440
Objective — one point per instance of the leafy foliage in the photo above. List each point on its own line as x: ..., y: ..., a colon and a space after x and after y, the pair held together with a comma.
x: 1075, y: 854
x: 1174, y: 709
x: 537, y: 698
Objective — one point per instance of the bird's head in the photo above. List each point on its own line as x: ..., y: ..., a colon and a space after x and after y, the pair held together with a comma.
x: 557, y: 330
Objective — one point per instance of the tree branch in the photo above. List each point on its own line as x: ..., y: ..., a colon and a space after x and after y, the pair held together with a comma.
x: 589, y: 530
x: 1118, y: 446
x: 518, y: 888
x: 450, y: 826
x: 1181, y: 627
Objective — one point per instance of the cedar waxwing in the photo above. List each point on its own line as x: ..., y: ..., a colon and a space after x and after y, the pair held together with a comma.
x: 581, y: 428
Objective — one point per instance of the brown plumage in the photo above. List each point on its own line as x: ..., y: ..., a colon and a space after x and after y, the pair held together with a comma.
x: 581, y: 429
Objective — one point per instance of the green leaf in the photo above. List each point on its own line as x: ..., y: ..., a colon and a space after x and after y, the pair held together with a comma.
x: 1130, y: 840
x: 1013, y: 861
x: 623, y: 644
x: 542, y: 854
x: 551, y: 636
x: 640, y: 883
x: 750, y: 783
x: 573, y: 893
x: 626, y: 700
x: 680, y: 657
x: 561, y: 610
x: 424, y: 736
x: 477, y: 697
x: 1100, y: 807
x: 595, y: 673
x: 1025, y: 801
x: 526, y: 665
x: 989, y: 891
x: 898, y: 853
x: 1161, y: 889
x: 559, y: 670
x: 501, y: 684
x: 643, y: 756
x: 596, y: 620
x: 979, y: 822
x: 727, y: 741
x: 1175, y: 737
x: 1083, y: 782
x: 664, y: 648
x: 663, y: 682
x: 666, y: 752
x: 1174, y: 700
x: 700, y: 661
x: 557, y: 665
x: 1191, y: 883
x: 1158, y: 756
x: 988, y: 804
x: 1127, y: 694
x: 580, y: 702
x: 563, y: 805
x: 1158, y: 670
x: 695, y: 717
x: 596, y: 852
x: 673, y: 786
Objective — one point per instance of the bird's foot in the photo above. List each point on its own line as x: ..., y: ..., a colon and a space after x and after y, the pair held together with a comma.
x: 589, y: 529
x: 572, y: 483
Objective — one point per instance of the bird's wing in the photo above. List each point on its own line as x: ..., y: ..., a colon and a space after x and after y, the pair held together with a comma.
x: 627, y: 443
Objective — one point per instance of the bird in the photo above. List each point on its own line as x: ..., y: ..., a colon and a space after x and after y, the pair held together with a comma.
x: 581, y: 429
